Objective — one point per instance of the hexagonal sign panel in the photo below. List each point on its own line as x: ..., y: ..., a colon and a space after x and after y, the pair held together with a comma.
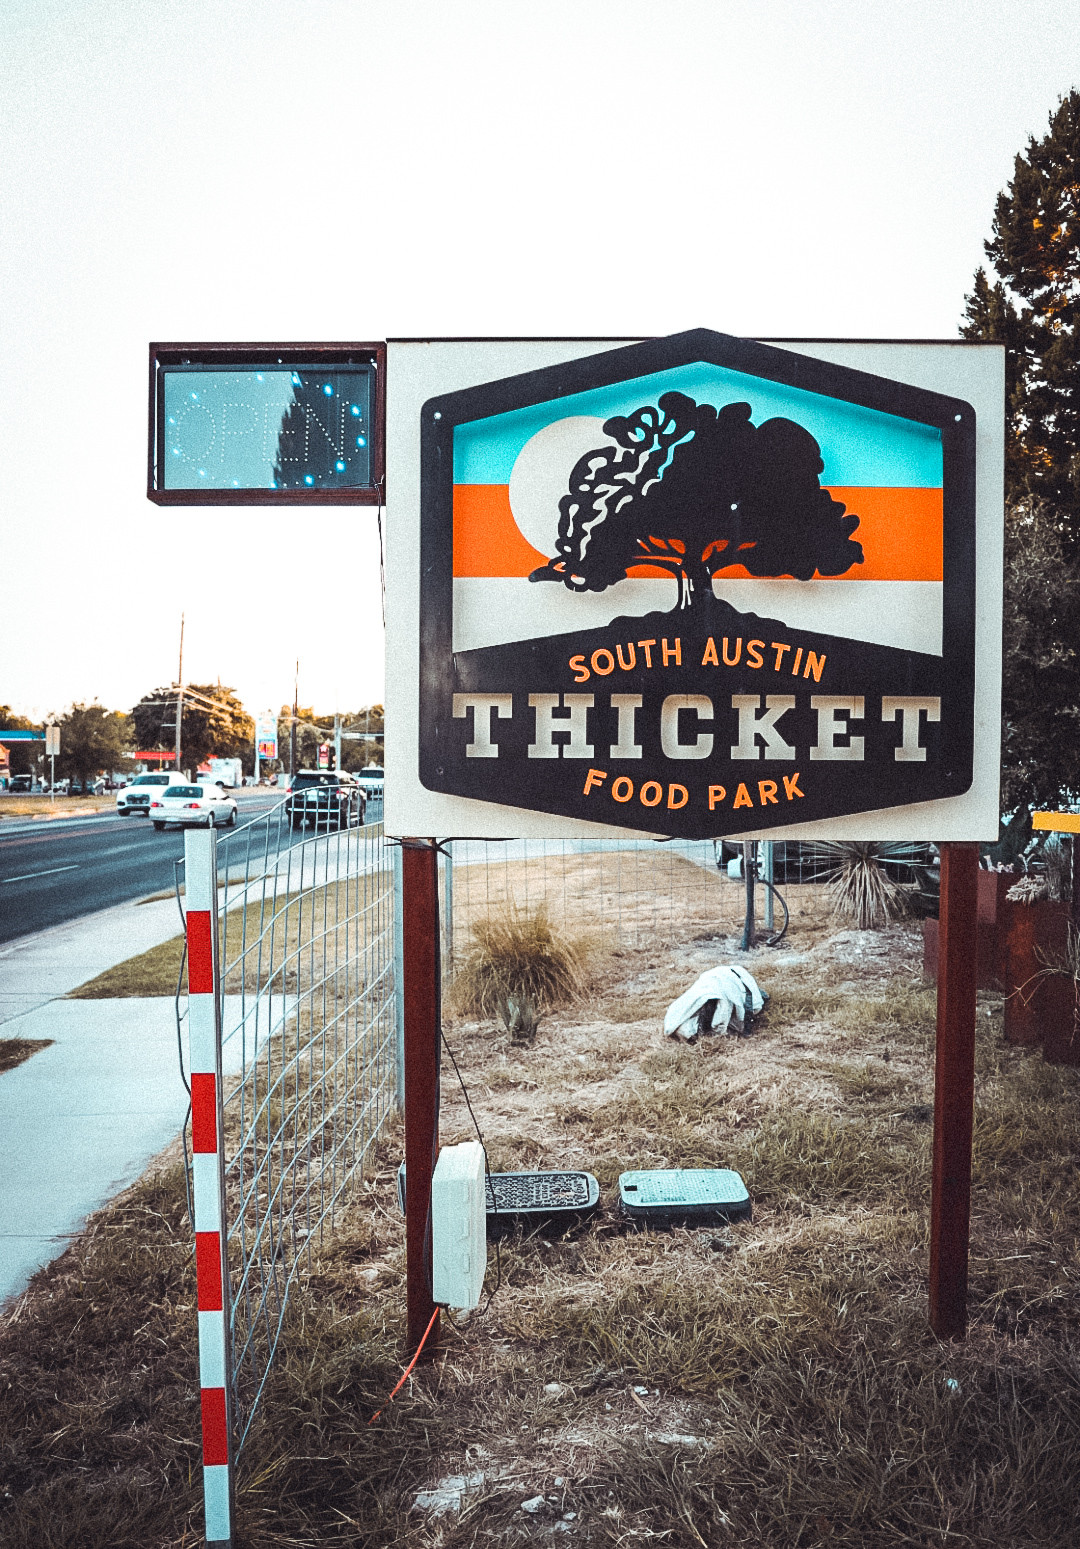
x: 697, y: 586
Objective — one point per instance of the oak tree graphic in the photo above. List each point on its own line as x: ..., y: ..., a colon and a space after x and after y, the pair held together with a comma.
x: 693, y: 490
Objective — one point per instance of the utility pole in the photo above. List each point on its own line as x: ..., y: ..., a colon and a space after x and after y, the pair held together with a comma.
x: 180, y: 692
x: 292, y: 728
x: 337, y: 742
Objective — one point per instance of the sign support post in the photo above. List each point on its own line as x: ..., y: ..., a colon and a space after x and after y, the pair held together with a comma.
x: 954, y: 1091
x: 420, y: 993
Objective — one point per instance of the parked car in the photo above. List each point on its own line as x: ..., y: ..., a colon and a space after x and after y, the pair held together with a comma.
x: 85, y: 787
x: 371, y: 780
x: 137, y: 796
x: 21, y: 782
x: 205, y: 805
x: 324, y: 799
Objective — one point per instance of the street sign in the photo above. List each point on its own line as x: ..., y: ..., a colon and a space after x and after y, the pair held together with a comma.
x: 52, y: 742
x: 266, y: 736
x: 699, y: 586
x: 236, y: 424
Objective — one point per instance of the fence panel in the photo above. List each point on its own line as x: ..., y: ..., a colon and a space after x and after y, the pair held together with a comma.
x: 308, y: 1056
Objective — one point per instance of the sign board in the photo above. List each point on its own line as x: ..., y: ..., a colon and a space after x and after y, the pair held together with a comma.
x: 696, y: 586
x: 265, y: 424
x: 266, y: 736
x: 52, y: 741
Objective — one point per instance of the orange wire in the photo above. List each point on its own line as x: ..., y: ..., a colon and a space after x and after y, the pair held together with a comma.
x: 408, y: 1368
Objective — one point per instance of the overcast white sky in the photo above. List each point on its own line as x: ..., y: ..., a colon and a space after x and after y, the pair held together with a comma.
x: 343, y: 169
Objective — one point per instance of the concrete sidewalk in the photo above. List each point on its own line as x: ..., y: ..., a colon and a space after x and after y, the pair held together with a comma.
x: 80, y: 1120
x: 36, y: 969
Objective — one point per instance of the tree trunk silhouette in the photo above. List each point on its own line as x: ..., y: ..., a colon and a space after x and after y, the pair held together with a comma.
x: 695, y: 582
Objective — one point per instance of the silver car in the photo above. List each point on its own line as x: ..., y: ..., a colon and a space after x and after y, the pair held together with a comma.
x: 207, y: 805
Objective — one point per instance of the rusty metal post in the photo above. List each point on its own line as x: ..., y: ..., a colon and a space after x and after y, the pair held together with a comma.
x: 954, y: 1090
x: 420, y: 994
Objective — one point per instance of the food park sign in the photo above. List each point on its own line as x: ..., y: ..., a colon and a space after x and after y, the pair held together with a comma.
x: 692, y: 587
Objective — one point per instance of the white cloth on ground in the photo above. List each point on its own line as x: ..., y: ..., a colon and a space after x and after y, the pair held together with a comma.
x: 729, y: 986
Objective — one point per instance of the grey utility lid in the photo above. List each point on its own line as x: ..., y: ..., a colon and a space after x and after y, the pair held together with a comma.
x: 684, y: 1196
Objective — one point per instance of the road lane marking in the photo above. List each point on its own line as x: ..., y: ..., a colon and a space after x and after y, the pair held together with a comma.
x: 30, y: 875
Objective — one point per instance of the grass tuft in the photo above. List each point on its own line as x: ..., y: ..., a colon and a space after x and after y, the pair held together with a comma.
x: 519, y: 956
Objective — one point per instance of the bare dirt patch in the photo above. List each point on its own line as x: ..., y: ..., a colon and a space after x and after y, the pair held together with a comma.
x: 772, y: 1383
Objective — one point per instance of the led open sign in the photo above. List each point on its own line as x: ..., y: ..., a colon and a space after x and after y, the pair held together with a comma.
x: 251, y: 424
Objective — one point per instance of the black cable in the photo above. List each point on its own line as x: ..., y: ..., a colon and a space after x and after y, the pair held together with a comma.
x: 180, y: 1055
x: 775, y: 940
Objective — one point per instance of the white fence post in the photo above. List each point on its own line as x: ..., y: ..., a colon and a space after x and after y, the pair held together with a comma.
x: 208, y: 1182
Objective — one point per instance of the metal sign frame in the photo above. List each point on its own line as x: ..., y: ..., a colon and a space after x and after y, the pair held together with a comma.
x: 250, y: 356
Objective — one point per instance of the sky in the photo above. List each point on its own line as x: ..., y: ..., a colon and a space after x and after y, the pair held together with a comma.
x: 344, y: 170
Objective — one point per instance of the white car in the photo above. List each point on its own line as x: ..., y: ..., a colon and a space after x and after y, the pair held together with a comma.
x: 137, y: 796
x: 371, y: 780
x: 206, y: 805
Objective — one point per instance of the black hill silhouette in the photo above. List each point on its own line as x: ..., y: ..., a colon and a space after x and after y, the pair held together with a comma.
x: 694, y: 490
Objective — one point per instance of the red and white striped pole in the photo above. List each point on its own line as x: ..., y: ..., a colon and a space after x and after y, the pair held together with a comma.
x: 208, y: 1180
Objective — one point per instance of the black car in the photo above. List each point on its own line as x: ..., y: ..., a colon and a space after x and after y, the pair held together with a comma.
x: 323, y: 799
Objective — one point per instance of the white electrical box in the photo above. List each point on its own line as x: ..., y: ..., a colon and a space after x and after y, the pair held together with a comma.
x: 458, y: 1226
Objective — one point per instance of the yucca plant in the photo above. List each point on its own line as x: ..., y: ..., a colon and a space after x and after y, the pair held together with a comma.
x: 861, y: 888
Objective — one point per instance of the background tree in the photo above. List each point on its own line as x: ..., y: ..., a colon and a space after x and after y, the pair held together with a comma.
x: 1040, y: 721
x: 93, y: 741
x: 214, y: 724
x: 693, y: 491
x: 23, y: 755
x: 1030, y: 303
x: 357, y: 755
x: 315, y: 727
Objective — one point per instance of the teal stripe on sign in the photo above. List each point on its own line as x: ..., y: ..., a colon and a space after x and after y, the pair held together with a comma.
x: 859, y: 446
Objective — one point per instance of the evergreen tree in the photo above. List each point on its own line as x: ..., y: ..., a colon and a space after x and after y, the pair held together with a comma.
x: 1030, y: 303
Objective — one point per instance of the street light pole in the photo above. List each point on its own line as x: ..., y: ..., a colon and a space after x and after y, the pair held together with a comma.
x: 180, y: 692
x: 292, y: 728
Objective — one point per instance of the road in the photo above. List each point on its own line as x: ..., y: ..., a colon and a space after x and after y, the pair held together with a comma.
x: 66, y: 867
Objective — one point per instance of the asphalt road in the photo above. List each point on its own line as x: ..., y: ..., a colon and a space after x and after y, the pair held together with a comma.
x: 60, y: 869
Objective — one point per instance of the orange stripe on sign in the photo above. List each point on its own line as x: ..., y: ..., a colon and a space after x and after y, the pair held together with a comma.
x: 899, y: 529
x: 487, y: 540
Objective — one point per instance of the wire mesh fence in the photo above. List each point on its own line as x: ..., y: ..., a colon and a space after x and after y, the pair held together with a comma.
x: 309, y: 1054
x: 634, y: 892
x: 630, y: 893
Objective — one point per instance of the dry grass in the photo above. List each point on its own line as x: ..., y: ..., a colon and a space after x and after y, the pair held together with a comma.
x: 517, y: 956
x: 151, y: 973
x: 773, y: 1384
x: 302, y: 936
x: 14, y: 1050
x: 62, y: 807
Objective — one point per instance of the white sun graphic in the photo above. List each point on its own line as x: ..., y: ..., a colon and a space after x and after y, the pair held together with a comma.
x: 541, y: 472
